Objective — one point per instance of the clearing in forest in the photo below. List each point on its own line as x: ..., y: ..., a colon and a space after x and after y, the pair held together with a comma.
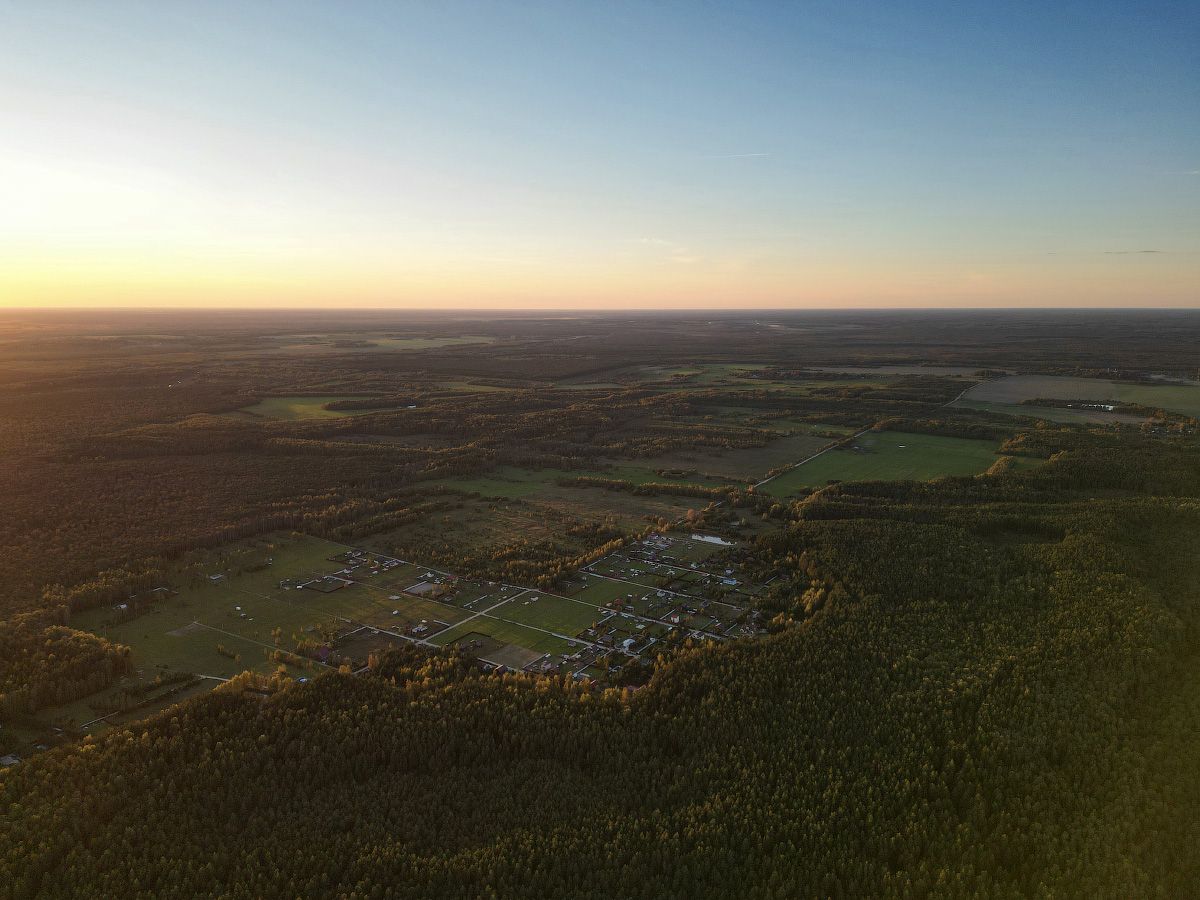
x: 888, y: 456
x: 1180, y: 398
x: 292, y: 408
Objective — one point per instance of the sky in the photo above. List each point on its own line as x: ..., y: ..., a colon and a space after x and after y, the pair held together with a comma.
x: 599, y: 154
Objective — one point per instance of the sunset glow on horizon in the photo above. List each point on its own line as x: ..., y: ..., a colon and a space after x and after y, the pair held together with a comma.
x: 599, y: 156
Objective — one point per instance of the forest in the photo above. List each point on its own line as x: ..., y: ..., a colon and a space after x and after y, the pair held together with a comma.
x: 975, y: 685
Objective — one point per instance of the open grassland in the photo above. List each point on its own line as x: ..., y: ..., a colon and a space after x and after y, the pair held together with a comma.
x: 1181, y: 398
x: 292, y: 408
x: 889, y: 456
x: 1049, y: 413
x: 549, y: 612
x: 505, y: 633
x: 749, y: 464
x: 600, y: 591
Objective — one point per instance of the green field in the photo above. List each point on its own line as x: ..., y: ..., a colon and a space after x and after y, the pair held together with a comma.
x: 1182, y: 398
x: 749, y: 464
x: 292, y: 408
x: 684, y: 550
x: 1050, y: 414
x: 506, y: 633
x: 889, y: 456
x: 549, y: 612
x: 600, y: 591
x: 709, y: 468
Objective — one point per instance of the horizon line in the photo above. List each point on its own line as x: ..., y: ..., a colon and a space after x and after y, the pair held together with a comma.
x: 766, y: 310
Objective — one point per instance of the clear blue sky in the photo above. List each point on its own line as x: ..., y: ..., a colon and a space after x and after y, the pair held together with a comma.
x: 600, y: 154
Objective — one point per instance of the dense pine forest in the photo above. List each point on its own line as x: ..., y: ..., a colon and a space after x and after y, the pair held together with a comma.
x: 971, y: 686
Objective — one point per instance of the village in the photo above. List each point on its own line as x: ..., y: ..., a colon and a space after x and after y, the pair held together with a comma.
x: 652, y: 594
x: 304, y: 605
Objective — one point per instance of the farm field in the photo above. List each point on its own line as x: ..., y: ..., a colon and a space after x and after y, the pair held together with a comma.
x: 748, y: 464
x: 1181, y: 398
x: 505, y: 633
x: 600, y: 591
x: 292, y: 408
x: 549, y: 612
x: 1048, y: 413
x: 889, y: 455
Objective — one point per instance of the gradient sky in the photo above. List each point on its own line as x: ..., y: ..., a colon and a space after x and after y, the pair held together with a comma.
x: 600, y: 154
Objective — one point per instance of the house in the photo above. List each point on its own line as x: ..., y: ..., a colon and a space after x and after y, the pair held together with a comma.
x: 216, y: 578
x: 10, y: 760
